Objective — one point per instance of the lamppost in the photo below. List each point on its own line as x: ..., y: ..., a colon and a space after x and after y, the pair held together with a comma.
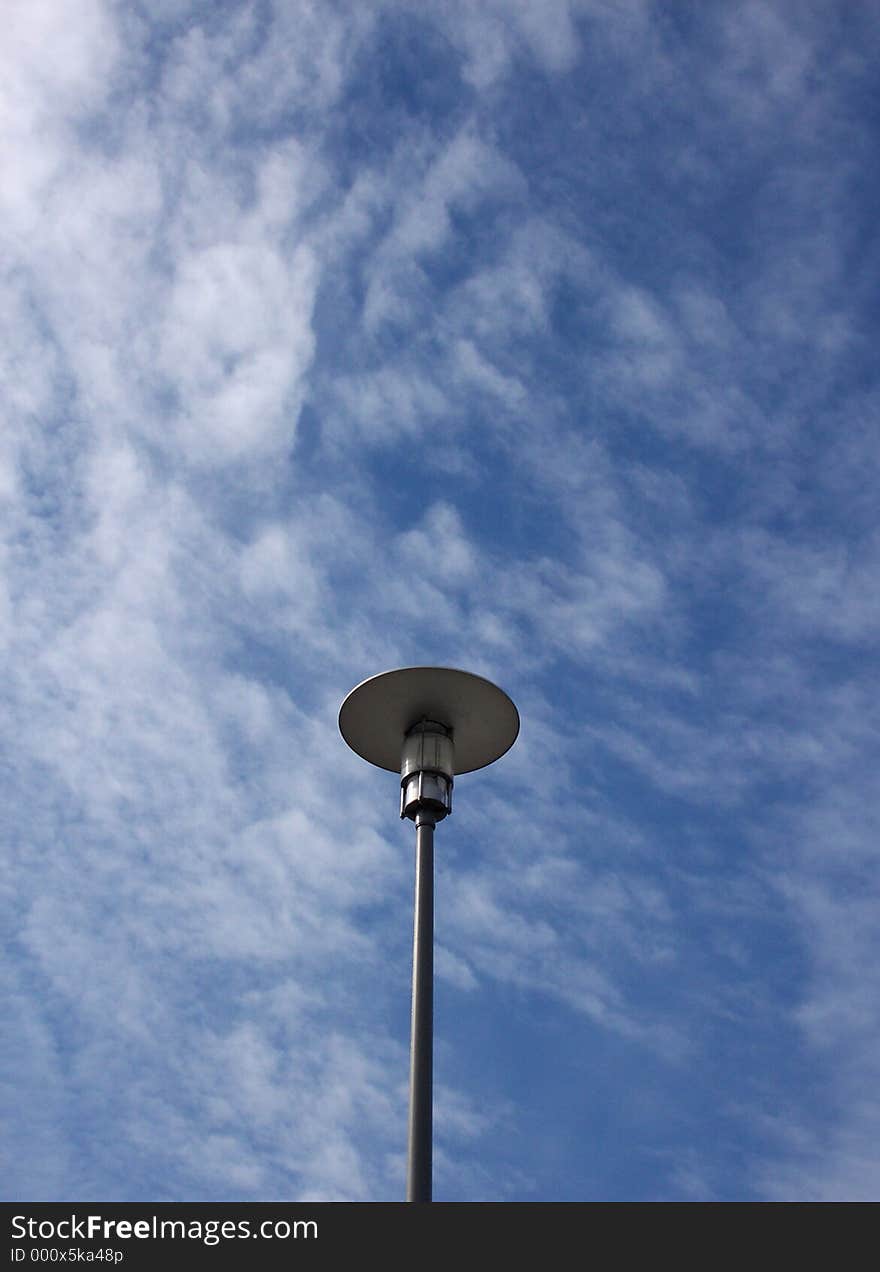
x: 428, y: 724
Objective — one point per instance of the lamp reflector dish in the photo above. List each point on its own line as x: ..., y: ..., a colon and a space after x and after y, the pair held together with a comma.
x: 376, y: 716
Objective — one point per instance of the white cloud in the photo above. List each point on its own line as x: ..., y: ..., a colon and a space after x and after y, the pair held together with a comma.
x: 492, y: 34
x: 234, y: 346
x: 51, y: 71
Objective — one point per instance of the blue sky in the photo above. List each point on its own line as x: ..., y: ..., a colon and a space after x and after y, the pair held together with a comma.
x: 535, y: 337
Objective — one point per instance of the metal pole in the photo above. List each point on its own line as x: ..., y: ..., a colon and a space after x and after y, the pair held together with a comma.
x: 421, y: 1060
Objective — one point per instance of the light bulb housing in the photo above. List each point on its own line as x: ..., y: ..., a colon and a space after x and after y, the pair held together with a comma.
x: 427, y: 771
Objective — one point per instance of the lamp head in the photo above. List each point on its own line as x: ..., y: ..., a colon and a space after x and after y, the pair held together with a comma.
x: 428, y: 724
